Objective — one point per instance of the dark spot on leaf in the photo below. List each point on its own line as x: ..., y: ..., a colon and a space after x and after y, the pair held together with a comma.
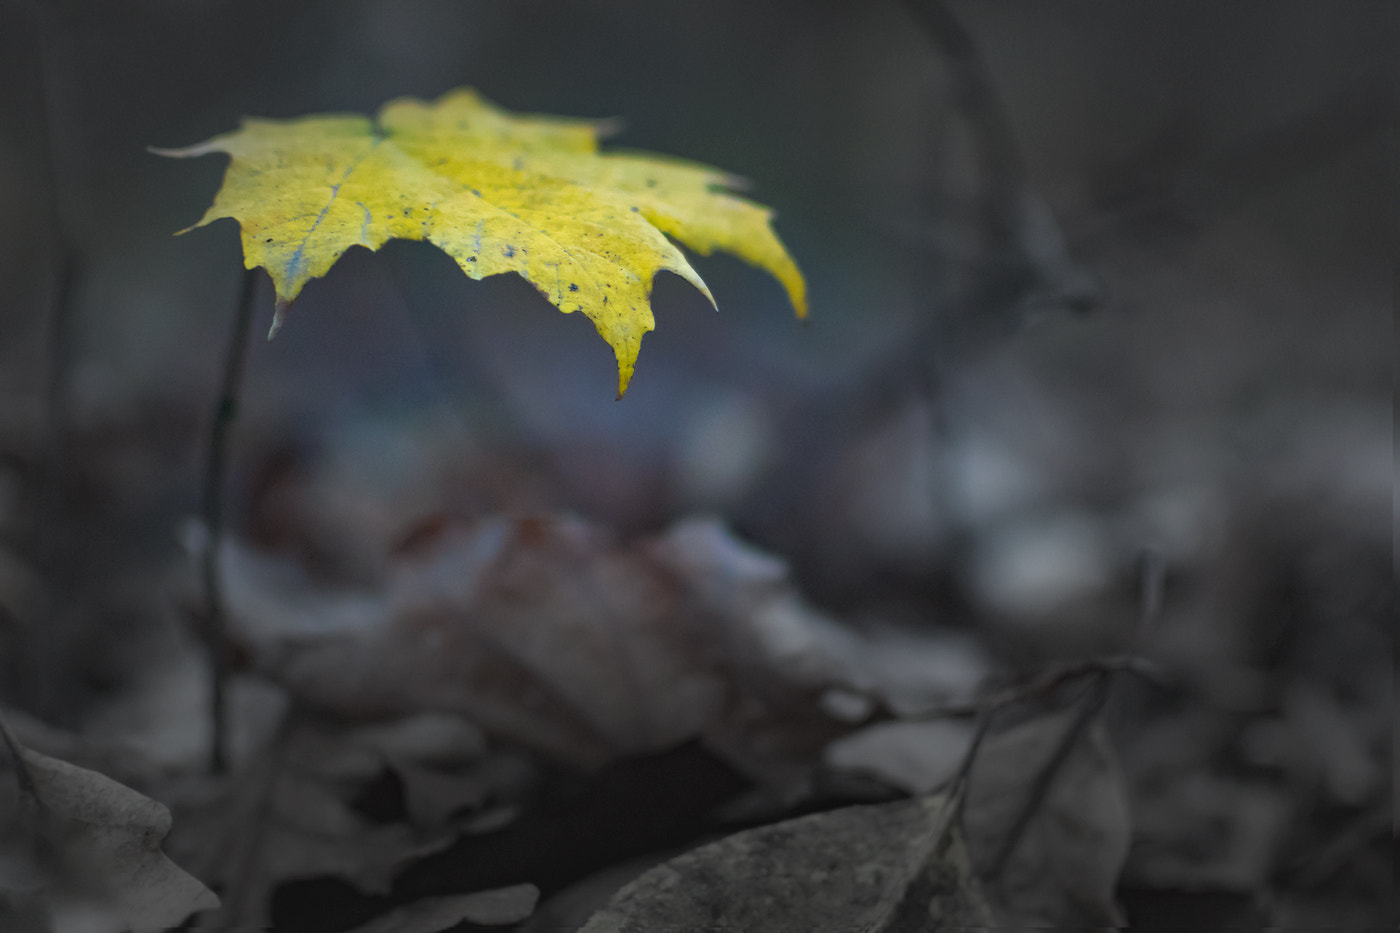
x: 509, y: 251
x: 471, y: 259
x: 269, y: 239
x: 573, y: 287
x: 475, y: 192
x: 634, y: 210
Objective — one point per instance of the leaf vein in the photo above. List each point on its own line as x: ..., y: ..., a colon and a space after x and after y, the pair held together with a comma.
x: 298, y: 258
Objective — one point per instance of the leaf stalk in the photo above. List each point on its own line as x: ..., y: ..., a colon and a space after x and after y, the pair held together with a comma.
x: 216, y: 470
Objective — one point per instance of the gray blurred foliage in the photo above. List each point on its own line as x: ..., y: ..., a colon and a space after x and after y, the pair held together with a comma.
x: 484, y: 908
x: 549, y: 633
x: 80, y: 852
x: 957, y: 446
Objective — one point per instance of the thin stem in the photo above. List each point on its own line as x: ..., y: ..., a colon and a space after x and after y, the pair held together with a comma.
x: 225, y: 412
x: 991, y: 127
x: 1152, y: 583
x: 1093, y: 703
x: 957, y: 792
x: 244, y: 836
x: 50, y: 534
x: 1049, y: 682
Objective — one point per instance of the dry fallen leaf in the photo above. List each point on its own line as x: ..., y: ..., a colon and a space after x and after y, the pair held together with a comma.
x: 290, y: 815
x: 548, y: 633
x: 498, y: 193
x: 1067, y: 863
x: 80, y: 851
x: 892, y: 867
x: 1064, y: 869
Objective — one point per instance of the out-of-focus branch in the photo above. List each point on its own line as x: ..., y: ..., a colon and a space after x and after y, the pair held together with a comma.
x: 1153, y: 577
x: 50, y: 537
x: 216, y: 623
x: 1167, y: 186
x: 999, y: 159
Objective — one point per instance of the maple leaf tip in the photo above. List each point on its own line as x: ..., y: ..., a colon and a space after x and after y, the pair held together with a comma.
x: 737, y: 183
x: 279, y: 316
x: 181, y: 152
x: 608, y: 127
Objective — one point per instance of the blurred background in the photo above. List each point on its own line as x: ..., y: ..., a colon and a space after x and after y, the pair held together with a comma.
x: 1088, y: 280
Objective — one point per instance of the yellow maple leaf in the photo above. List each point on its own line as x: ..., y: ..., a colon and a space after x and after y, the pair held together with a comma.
x: 498, y: 192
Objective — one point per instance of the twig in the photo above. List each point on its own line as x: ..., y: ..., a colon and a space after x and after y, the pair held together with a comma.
x: 49, y: 533
x: 957, y: 790
x: 1019, y: 258
x: 216, y: 621
x: 1156, y: 190
x: 243, y: 836
x: 1153, y: 576
x: 1047, y: 683
x: 65, y: 259
x: 1093, y: 703
x: 991, y: 127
